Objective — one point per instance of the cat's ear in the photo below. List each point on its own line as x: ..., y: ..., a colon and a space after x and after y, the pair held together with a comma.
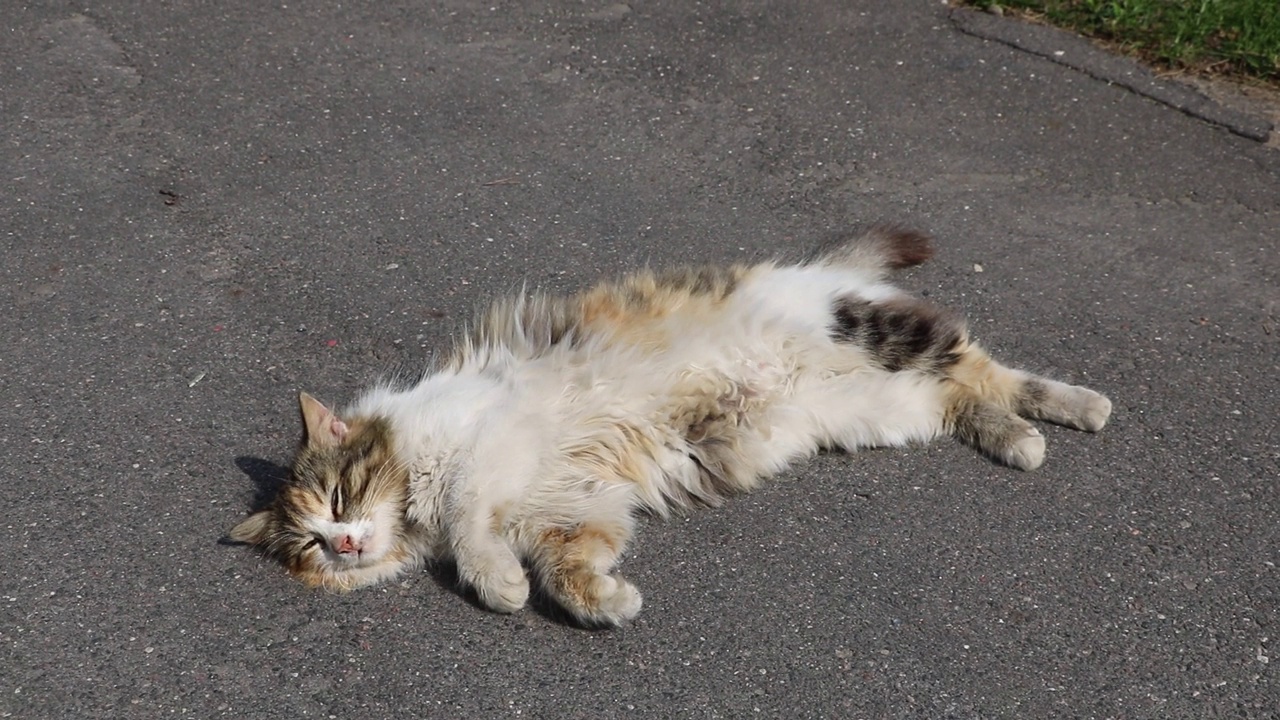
x: 253, y: 530
x: 320, y: 427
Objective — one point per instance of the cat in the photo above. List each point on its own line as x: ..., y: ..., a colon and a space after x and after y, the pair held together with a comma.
x: 557, y: 419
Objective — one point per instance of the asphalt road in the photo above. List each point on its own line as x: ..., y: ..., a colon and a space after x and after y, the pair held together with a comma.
x: 209, y: 206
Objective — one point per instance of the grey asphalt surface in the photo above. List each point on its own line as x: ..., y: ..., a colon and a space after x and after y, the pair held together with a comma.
x: 210, y: 206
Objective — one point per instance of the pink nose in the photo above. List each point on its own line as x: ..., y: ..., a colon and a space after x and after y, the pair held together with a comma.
x: 345, y: 545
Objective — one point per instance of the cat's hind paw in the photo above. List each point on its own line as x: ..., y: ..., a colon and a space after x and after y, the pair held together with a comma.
x: 1073, y: 406
x: 1094, y: 411
x: 1027, y: 452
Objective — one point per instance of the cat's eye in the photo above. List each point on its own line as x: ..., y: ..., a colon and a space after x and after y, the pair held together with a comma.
x: 336, y: 501
x: 314, y: 542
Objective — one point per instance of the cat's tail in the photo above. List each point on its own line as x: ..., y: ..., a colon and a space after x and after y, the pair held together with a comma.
x: 880, y: 249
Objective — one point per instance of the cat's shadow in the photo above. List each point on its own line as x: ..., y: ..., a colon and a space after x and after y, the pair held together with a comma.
x: 445, y: 575
x: 269, y: 477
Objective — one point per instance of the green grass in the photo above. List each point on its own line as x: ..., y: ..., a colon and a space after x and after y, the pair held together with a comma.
x: 1239, y: 37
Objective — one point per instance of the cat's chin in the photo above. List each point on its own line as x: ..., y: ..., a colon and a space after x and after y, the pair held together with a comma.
x: 350, y: 574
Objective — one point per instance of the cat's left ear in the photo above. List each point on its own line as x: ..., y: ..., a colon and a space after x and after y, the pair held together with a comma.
x: 321, y: 428
x: 253, y: 530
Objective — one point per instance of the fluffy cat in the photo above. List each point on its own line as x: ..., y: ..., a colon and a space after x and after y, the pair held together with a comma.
x: 557, y: 419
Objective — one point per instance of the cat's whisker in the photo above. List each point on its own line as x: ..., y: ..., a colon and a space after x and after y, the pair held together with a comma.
x: 388, y: 481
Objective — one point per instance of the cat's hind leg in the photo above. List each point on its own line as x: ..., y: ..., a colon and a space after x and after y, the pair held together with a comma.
x: 995, y: 432
x: 574, y: 566
x: 988, y: 401
x: 1068, y: 405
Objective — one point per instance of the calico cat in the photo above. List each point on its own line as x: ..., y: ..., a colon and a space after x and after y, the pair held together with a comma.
x: 557, y: 419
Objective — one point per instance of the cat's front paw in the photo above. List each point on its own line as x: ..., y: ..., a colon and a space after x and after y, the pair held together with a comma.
x: 615, y: 601
x: 503, y: 591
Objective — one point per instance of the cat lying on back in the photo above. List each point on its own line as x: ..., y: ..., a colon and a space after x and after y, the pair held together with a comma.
x: 557, y: 419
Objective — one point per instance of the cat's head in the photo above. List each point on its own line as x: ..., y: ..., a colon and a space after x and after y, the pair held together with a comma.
x: 339, y: 520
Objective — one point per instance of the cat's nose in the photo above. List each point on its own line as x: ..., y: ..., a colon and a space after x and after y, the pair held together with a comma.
x: 346, y: 545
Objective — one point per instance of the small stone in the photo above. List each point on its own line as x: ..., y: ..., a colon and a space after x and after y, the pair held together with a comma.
x: 614, y: 12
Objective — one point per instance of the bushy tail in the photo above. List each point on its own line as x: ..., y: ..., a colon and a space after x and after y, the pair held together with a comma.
x: 880, y: 249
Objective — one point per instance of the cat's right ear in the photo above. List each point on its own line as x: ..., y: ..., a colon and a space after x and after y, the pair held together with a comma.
x: 320, y: 427
x: 253, y: 530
